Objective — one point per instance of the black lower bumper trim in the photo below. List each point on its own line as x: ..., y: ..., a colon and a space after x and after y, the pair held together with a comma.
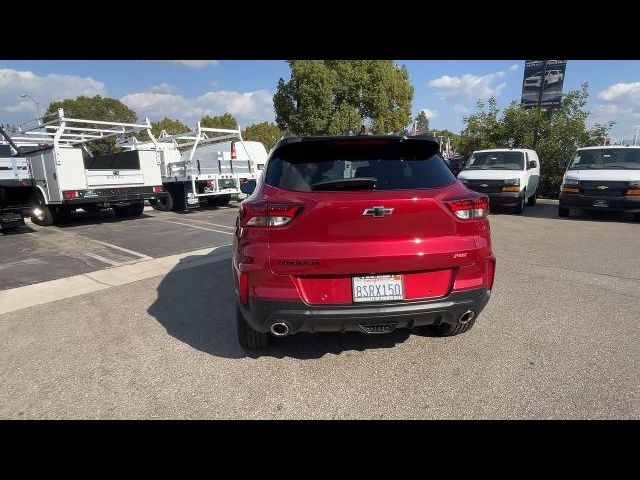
x: 506, y: 198
x: 261, y: 314
x: 623, y: 204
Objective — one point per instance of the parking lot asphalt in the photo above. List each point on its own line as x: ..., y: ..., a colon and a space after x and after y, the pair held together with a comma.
x: 559, y: 338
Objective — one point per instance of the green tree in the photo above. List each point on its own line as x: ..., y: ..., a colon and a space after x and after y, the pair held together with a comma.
x: 335, y: 96
x: 220, y: 121
x: 422, y: 124
x: 266, y: 133
x: 554, y: 133
x: 96, y: 108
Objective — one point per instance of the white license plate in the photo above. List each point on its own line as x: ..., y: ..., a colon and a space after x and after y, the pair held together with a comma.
x: 377, y: 288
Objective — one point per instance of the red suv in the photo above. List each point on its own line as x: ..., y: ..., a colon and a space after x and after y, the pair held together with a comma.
x: 359, y: 233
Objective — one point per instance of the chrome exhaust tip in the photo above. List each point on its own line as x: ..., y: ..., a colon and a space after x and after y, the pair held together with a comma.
x: 280, y: 329
x: 466, y: 317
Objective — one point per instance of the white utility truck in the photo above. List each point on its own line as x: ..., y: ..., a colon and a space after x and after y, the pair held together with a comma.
x: 16, y: 186
x: 196, y: 168
x: 508, y: 176
x: 67, y: 175
x: 605, y: 178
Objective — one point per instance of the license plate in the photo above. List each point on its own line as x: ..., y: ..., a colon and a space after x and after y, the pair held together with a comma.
x: 192, y: 200
x: 600, y: 203
x: 377, y: 288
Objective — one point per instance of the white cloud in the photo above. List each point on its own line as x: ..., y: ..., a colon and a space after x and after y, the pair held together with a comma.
x: 190, y: 63
x: 460, y: 109
x: 621, y: 92
x: 44, y: 89
x: 430, y: 113
x: 469, y: 86
x: 162, y: 88
x: 246, y: 107
x: 514, y: 67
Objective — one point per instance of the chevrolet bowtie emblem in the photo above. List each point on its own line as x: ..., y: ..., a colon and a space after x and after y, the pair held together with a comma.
x: 377, y: 212
x: 484, y: 185
x: 603, y: 187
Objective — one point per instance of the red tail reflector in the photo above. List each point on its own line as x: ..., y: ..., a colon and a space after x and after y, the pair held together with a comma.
x: 469, y: 208
x: 234, y: 156
x: 158, y: 189
x: 69, y: 194
x: 243, y: 288
x: 263, y: 214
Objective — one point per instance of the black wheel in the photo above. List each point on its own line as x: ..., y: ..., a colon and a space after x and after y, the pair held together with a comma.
x: 136, y: 209
x: 62, y: 214
x: 520, y: 207
x: 532, y: 200
x: 636, y: 216
x: 223, y: 200
x: 91, y: 207
x: 248, y: 338
x: 42, y: 214
x: 563, y: 212
x: 448, y: 330
x: 163, y: 203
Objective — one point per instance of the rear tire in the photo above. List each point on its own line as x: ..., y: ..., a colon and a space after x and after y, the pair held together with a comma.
x: 563, y: 212
x: 636, y: 216
x: 163, y: 203
x: 532, y: 200
x: 129, y: 210
x: 219, y: 200
x: 449, y: 330
x: 248, y: 338
x: 46, y: 215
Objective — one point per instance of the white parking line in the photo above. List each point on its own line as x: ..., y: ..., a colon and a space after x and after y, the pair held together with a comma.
x: 101, y: 258
x: 122, y: 249
x: 211, y: 223
x: 197, y: 226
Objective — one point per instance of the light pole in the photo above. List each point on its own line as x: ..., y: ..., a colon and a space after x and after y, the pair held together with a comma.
x: 635, y: 137
x: 34, y: 100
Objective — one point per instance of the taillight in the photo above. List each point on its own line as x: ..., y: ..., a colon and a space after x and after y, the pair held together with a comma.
x: 158, y: 189
x: 469, y: 208
x: 243, y: 180
x: 263, y: 214
x: 69, y: 194
x: 233, y: 151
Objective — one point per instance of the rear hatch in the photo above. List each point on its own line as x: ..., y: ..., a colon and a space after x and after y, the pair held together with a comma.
x: 345, y: 227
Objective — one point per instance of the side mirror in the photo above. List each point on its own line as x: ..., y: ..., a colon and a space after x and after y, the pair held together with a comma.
x: 533, y: 164
x: 564, y: 164
x: 248, y: 187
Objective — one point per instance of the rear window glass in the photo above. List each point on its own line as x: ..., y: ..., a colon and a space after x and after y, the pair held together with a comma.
x: 114, y: 161
x: 388, y: 164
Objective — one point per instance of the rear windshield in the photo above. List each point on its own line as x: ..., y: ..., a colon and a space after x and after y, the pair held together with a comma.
x: 386, y: 164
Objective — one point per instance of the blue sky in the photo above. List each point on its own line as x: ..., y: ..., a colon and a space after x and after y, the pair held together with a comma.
x: 188, y: 89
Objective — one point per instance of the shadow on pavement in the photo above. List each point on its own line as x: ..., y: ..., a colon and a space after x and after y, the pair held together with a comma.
x: 196, y: 305
x: 550, y: 211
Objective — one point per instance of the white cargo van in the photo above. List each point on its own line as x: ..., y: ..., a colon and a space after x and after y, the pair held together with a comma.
x: 508, y: 176
x: 602, y: 178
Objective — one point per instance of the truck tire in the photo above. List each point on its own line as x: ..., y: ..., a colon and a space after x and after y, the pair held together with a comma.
x: 248, y: 338
x: 163, y: 203
x: 43, y: 214
x: 531, y: 201
x: 636, y: 216
x: 449, y: 330
x: 563, y: 212
x: 129, y: 210
x: 519, y: 209
x: 219, y: 200
x: 62, y: 214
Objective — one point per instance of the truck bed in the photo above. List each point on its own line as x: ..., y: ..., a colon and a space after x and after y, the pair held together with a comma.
x: 14, y: 171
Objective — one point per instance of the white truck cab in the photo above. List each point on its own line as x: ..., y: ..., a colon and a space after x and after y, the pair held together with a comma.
x: 508, y: 176
x: 602, y: 178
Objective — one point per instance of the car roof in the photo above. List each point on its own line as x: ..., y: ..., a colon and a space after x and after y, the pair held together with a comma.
x: 504, y: 150
x: 599, y: 147
x: 355, y: 138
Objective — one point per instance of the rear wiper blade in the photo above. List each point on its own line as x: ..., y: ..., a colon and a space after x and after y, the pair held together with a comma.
x: 357, y: 183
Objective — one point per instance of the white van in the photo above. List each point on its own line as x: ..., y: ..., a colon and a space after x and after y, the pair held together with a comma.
x: 508, y: 176
x: 602, y: 178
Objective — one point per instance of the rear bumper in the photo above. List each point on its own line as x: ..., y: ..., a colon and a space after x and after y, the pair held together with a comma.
x: 114, y: 196
x: 505, y: 198
x: 623, y: 204
x: 260, y: 314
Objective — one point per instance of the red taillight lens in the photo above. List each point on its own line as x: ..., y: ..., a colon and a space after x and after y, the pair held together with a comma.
x: 243, y: 180
x: 69, y: 194
x: 263, y: 214
x: 158, y: 189
x: 243, y: 288
x: 234, y: 156
x: 470, y: 208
